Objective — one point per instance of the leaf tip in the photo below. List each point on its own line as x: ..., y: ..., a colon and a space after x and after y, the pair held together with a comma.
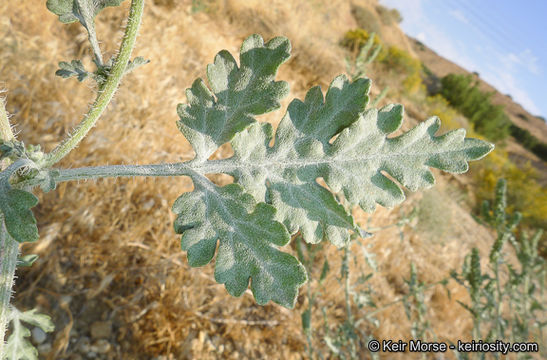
x: 478, y: 149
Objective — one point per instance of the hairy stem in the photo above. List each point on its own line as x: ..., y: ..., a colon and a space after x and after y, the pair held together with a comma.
x: 98, y: 172
x: 92, y: 37
x: 88, y: 22
x: 6, y: 133
x: 347, y: 283
x: 498, y: 296
x: 107, y: 90
x: 9, y: 248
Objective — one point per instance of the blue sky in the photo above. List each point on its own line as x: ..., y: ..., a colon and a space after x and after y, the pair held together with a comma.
x: 505, y: 41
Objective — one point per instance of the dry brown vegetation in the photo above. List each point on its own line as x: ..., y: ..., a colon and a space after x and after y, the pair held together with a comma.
x: 111, y: 272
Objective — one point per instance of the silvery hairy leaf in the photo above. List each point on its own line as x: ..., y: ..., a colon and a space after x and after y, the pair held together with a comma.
x: 277, y: 189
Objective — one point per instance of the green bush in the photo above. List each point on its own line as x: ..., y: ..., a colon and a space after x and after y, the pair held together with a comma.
x: 529, y: 141
x: 402, y: 61
x: 505, y: 286
x: 541, y: 150
x: 524, y: 137
x: 526, y: 195
x: 463, y: 93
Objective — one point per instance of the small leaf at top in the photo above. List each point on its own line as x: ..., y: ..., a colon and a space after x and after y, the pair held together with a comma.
x: 74, y: 68
x: 212, y: 118
x: 248, y: 238
x: 75, y: 10
x: 136, y: 63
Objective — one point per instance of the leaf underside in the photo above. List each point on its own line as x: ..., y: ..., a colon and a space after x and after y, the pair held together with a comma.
x: 276, y: 191
x: 69, y: 11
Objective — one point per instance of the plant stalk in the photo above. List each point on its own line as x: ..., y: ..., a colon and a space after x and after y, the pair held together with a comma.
x: 88, y: 21
x: 92, y: 37
x: 107, y: 91
x: 9, y: 248
x: 6, y: 134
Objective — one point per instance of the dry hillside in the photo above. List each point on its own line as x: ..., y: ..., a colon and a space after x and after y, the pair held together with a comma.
x: 440, y: 67
x: 111, y: 273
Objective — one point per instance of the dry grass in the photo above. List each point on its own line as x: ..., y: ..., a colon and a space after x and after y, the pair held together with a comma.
x: 107, y: 249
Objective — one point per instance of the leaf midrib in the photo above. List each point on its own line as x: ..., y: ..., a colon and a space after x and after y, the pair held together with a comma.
x: 230, y: 165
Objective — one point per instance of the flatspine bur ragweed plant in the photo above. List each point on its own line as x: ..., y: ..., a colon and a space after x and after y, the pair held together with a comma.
x: 275, y: 193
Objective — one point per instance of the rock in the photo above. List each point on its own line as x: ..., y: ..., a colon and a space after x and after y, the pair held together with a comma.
x: 44, y: 348
x: 38, y: 335
x: 66, y: 300
x: 101, y: 346
x: 101, y: 329
x: 83, y: 344
x: 73, y: 335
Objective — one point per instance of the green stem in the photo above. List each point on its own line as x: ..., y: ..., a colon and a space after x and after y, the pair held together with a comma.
x: 88, y: 21
x: 9, y: 248
x: 92, y: 37
x: 499, y: 297
x: 107, y: 90
x: 5, y: 128
x: 347, y: 284
x: 309, y: 265
x: 154, y: 170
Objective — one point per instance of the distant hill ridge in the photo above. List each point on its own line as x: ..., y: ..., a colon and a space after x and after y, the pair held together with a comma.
x: 441, y: 66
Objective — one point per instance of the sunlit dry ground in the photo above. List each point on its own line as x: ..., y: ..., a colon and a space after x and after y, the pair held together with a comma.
x: 111, y: 273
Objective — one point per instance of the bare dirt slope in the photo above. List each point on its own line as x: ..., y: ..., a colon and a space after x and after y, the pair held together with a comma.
x: 111, y: 272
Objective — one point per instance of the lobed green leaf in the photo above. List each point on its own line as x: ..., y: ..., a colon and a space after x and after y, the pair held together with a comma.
x: 276, y: 190
x: 18, y: 347
x: 212, y: 118
x: 74, y: 68
x: 302, y: 136
x: 356, y: 163
x: 248, y: 238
